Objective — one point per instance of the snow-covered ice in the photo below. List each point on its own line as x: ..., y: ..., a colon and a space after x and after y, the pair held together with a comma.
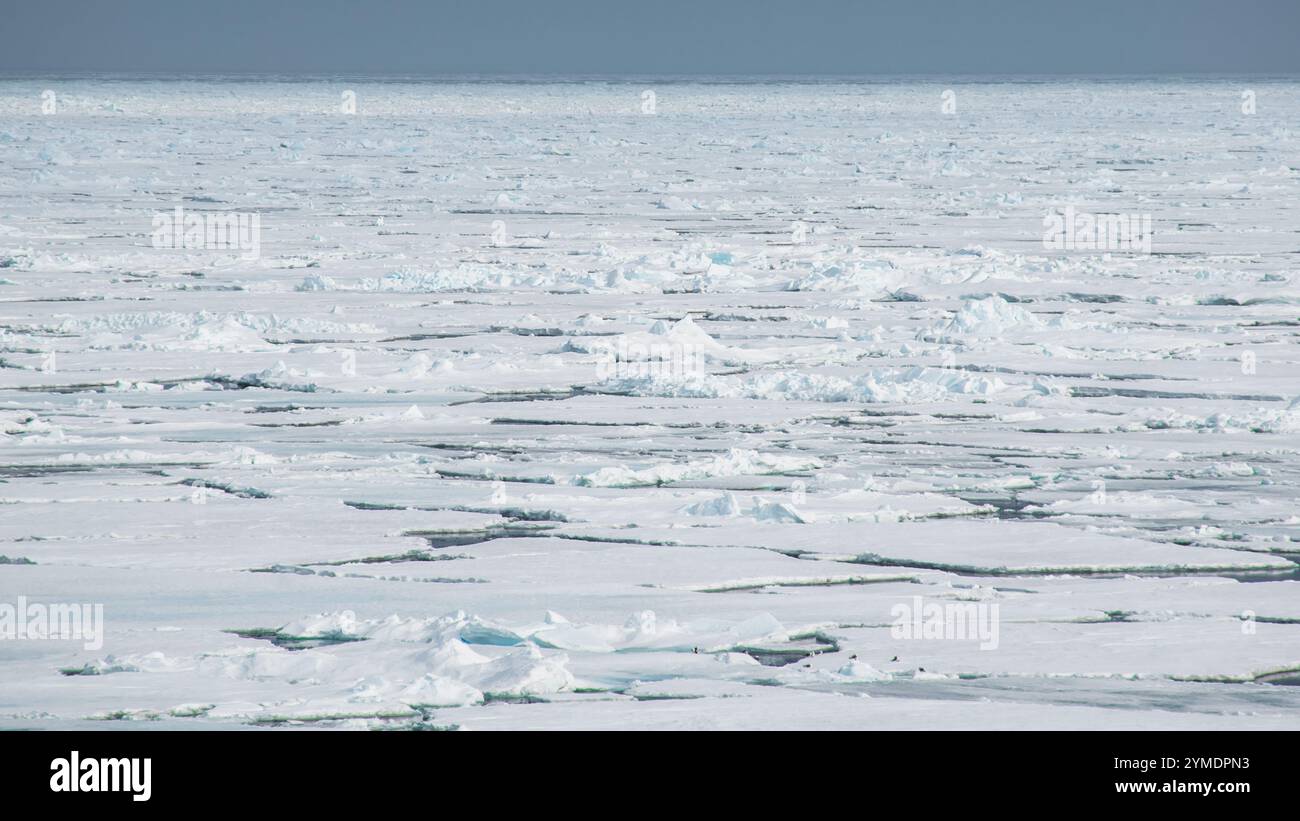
x: 532, y: 409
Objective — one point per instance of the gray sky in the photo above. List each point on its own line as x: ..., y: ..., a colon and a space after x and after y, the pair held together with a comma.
x: 653, y: 36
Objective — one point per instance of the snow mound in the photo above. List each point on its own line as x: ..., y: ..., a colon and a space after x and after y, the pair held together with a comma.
x: 644, y: 630
x: 735, y: 462
x: 986, y: 318
x: 724, y: 505
x: 1260, y: 421
x: 763, y: 511
x: 874, y: 277
x: 389, y: 665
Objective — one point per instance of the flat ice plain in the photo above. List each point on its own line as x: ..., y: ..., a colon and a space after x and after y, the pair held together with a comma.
x: 414, y: 463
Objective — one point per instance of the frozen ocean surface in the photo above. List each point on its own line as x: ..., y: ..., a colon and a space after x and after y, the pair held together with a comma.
x: 650, y: 405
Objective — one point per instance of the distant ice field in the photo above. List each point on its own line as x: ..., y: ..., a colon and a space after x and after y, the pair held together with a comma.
x: 665, y: 404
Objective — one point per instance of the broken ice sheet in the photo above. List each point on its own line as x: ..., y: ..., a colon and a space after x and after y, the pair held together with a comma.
x: 674, y: 460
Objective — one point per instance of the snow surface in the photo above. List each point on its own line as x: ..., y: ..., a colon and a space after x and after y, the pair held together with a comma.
x: 539, y: 411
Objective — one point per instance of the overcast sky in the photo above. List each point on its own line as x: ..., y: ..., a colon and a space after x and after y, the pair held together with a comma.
x: 652, y: 36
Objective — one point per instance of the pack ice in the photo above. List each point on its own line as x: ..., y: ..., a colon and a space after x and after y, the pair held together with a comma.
x: 769, y: 407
